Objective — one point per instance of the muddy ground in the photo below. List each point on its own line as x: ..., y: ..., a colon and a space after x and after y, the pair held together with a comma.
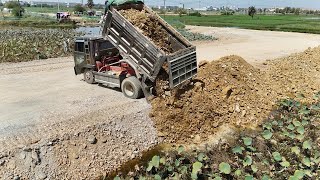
x: 54, y: 125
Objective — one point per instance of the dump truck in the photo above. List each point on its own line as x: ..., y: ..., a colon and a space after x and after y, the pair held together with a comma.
x: 124, y: 58
x: 63, y: 17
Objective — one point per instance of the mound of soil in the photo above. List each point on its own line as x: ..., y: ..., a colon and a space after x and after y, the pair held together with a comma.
x: 225, y: 91
x: 150, y: 27
x: 231, y: 91
x: 296, y: 74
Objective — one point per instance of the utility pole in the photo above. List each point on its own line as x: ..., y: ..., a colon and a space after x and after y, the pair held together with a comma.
x: 19, y: 8
x: 165, y: 8
x: 58, y: 5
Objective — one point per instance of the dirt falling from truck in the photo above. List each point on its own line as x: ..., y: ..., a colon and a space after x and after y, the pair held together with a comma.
x: 150, y: 26
x: 231, y: 91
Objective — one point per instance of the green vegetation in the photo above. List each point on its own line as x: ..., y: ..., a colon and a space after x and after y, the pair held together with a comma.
x: 54, y: 9
x: 79, y: 8
x: 34, y: 21
x: 195, y: 36
x: 26, y: 44
x: 17, y: 10
x: 180, y: 27
x: 286, y: 147
x: 90, y: 4
x: 252, y: 11
x: 48, y: 9
x: 291, y: 23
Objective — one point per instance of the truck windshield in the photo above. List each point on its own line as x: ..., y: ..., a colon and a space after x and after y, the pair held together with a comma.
x: 79, y: 47
x: 105, y: 45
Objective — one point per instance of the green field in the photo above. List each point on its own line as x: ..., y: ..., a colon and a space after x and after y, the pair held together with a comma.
x: 291, y: 23
x: 48, y: 9
x: 54, y: 9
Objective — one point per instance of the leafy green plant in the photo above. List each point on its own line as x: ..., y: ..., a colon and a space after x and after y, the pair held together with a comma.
x: 224, y: 168
x: 285, y: 148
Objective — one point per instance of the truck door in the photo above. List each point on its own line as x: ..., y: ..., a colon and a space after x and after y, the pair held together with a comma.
x: 79, y: 57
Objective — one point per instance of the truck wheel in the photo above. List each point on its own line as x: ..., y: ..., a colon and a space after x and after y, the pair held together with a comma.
x: 131, y: 87
x: 88, y: 76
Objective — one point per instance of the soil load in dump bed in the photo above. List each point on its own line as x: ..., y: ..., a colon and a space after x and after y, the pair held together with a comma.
x: 231, y: 91
x: 149, y: 26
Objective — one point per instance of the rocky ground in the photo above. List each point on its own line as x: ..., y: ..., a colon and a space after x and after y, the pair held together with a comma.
x: 231, y: 91
x: 89, y: 153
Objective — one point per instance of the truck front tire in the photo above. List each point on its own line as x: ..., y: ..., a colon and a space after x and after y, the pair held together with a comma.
x: 89, y: 76
x: 131, y: 87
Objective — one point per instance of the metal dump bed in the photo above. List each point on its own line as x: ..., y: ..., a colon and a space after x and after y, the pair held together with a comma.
x: 143, y: 54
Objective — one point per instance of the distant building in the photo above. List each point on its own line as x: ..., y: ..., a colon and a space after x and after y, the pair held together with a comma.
x: 169, y: 8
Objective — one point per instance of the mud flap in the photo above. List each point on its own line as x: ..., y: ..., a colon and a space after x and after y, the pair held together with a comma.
x: 147, y: 91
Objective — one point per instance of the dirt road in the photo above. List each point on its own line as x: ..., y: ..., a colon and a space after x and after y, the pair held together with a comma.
x: 43, y: 103
x: 254, y: 46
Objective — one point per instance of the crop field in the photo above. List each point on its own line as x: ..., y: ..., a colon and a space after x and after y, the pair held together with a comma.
x: 40, y: 21
x: 290, y: 23
x: 48, y: 9
x: 27, y: 44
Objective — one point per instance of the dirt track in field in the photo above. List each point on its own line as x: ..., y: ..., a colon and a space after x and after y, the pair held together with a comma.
x: 252, y: 45
x: 50, y: 117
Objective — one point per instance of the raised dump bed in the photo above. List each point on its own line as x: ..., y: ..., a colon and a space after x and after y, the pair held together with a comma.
x: 142, y: 52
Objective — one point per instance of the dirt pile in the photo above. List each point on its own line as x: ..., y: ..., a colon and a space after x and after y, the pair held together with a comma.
x: 150, y: 27
x: 296, y: 74
x: 226, y: 91
x: 231, y: 91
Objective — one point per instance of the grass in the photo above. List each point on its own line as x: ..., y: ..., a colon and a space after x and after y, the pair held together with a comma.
x: 32, y: 21
x: 54, y: 9
x: 48, y: 9
x: 290, y: 23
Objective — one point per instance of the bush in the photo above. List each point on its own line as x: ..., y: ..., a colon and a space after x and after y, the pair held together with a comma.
x: 180, y: 11
x: 12, y: 4
x: 17, y: 11
x: 162, y: 11
x: 197, y: 13
x: 79, y: 8
x: 227, y: 13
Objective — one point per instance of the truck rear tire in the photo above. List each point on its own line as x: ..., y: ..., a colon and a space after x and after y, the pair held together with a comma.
x: 131, y: 87
x: 89, y: 76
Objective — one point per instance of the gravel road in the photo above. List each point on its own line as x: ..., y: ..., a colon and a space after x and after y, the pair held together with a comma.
x: 53, y: 124
x: 43, y: 102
